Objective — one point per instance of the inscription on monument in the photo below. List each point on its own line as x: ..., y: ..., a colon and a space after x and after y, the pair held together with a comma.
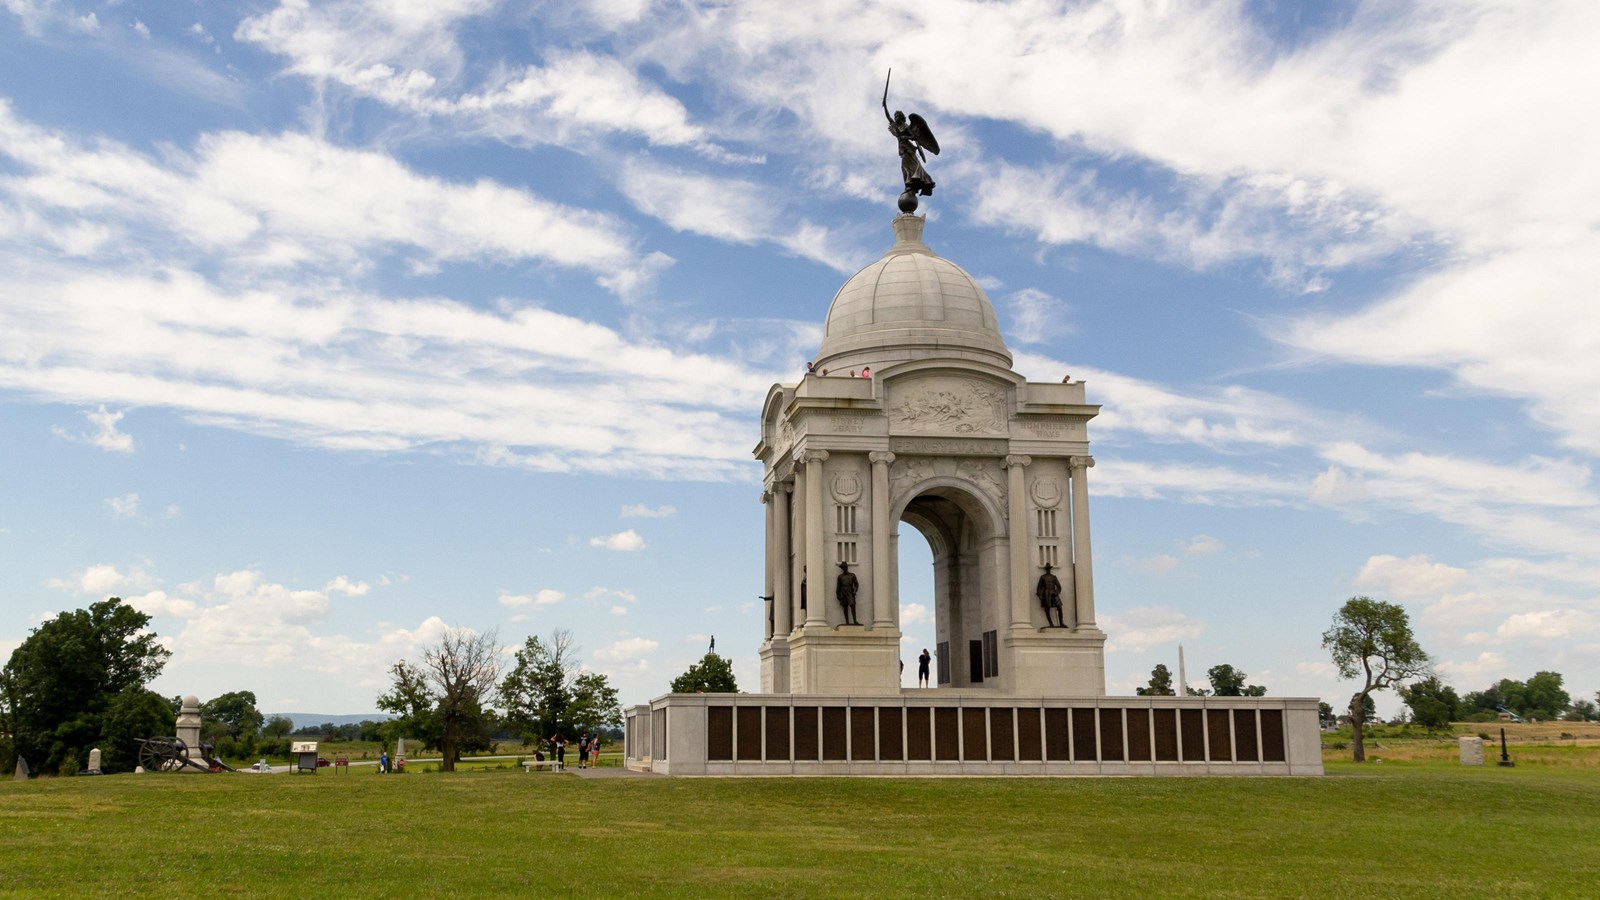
x: 947, y: 447
x: 847, y: 424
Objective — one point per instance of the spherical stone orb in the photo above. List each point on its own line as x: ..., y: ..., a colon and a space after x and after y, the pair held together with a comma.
x: 190, y: 701
x: 908, y: 202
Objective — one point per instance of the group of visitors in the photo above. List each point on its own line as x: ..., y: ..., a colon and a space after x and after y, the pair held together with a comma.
x: 811, y: 369
x: 588, y: 751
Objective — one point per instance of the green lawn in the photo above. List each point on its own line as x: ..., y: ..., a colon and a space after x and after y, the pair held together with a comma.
x: 1383, y: 830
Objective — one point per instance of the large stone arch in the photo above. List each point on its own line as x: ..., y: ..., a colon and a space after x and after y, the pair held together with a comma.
x: 966, y: 532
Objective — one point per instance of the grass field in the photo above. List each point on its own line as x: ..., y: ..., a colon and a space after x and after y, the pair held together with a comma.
x: 1399, y: 828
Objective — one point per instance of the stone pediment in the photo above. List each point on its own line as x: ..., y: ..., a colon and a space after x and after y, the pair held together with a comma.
x: 952, y: 405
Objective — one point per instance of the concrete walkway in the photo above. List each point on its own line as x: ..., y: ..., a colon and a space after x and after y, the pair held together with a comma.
x: 612, y: 772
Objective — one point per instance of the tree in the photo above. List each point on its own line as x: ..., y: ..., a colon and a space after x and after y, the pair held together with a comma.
x: 133, y: 713
x: 1226, y: 681
x: 232, y: 717
x: 1434, y: 704
x: 277, y: 727
x: 711, y: 675
x: 1583, y: 711
x: 548, y: 694
x: 1543, y: 696
x: 59, y: 683
x: 1324, y: 711
x: 1160, y: 683
x: 1372, y: 640
x: 442, y: 701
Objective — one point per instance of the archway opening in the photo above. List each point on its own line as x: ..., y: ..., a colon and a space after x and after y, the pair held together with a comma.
x: 945, y: 579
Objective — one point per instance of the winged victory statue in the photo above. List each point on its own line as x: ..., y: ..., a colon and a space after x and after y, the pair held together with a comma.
x: 916, y: 142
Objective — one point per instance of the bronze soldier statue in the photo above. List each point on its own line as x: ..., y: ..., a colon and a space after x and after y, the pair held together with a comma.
x: 846, y: 588
x: 1049, y: 594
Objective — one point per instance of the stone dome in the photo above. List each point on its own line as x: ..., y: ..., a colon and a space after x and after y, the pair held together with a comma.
x: 909, y: 305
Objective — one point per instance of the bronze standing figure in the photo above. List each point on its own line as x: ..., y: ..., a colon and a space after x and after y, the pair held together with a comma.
x: 915, y: 141
x: 846, y: 588
x: 1049, y: 594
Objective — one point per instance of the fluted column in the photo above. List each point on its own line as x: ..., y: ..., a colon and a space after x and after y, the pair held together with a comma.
x: 816, y: 578
x: 782, y: 600
x: 769, y: 614
x: 1017, y: 512
x: 882, y: 612
x: 1082, y: 565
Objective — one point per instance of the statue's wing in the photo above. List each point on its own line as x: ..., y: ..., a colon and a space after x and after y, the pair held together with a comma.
x: 923, y: 135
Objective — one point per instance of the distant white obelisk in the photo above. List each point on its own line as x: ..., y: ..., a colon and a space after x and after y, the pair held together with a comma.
x: 1183, y: 676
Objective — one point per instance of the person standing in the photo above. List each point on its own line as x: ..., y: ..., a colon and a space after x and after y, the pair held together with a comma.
x: 383, y: 762
x: 594, y: 752
x: 922, y: 668
x: 561, y: 753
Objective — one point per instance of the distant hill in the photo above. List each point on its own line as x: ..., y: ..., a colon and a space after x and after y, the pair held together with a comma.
x: 301, y: 720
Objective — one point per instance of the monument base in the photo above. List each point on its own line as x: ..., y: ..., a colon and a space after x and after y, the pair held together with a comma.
x: 846, y: 659
x: 970, y: 732
x: 1055, y: 662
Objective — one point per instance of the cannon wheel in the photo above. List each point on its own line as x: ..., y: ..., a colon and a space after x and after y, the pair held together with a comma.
x: 162, y: 754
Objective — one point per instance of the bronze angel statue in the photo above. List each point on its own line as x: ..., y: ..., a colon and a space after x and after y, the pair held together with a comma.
x: 916, y: 142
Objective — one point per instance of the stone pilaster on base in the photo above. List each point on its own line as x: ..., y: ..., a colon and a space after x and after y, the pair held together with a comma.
x: 775, y: 666
x: 1055, y: 662
x: 848, y: 659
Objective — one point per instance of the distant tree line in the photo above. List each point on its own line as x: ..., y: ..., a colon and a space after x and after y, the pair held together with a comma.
x: 1226, y: 681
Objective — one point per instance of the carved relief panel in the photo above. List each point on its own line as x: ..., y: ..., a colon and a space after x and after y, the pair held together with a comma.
x: 948, y: 405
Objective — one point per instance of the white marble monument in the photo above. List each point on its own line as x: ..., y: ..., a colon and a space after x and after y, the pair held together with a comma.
x: 943, y: 436
x: 912, y: 415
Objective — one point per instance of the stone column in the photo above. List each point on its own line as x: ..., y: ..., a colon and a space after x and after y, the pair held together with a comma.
x: 1017, y: 535
x: 1082, y: 567
x: 188, y: 725
x: 780, y: 548
x: 816, y: 576
x: 769, y: 615
x: 882, y: 612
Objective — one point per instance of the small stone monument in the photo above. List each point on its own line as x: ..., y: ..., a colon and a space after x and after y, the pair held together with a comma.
x: 1471, y: 750
x: 189, y: 723
x: 94, y: 762
x: 22, y: 770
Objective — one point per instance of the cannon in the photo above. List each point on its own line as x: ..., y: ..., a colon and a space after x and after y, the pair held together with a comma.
x: 171, y: 754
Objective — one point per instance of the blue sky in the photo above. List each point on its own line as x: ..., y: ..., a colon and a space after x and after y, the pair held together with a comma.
x: 324, y: 326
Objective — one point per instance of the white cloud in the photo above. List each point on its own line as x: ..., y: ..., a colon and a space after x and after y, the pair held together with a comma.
x: 1201, y: 545
x: 623, y: 540
x: 1144, y: 627
x: 125, y: 506
x: 1036, y: 317
x: 597, y: 593
x: 632, y: 650
x: 619, y: 610
x: 1412, y: 578
x: 545, y: 597
x: 642, y: 511
x: 141, y: 28
x: 172, y: 511
x: 105, y: 434
x: 914, y: 613
x: 343, y: 585
x: 102, y: 580
x: 1548, y: 625
x: 159, y: 603
x: 1489, y: 666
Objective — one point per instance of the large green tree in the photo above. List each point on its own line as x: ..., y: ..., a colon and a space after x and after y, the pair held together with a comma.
x: 58, y: 685
x: 1226, y: 681
x: 547, y: 692
x: 232, y: 716
x: 134, y: 713
x: 443, y: 701
x: 711, y: 675
x: 1160, y: 683
x: 1434, y: 704
x: 1371, y: 641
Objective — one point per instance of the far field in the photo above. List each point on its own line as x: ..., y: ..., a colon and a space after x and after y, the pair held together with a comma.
x: 1416, y: 824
